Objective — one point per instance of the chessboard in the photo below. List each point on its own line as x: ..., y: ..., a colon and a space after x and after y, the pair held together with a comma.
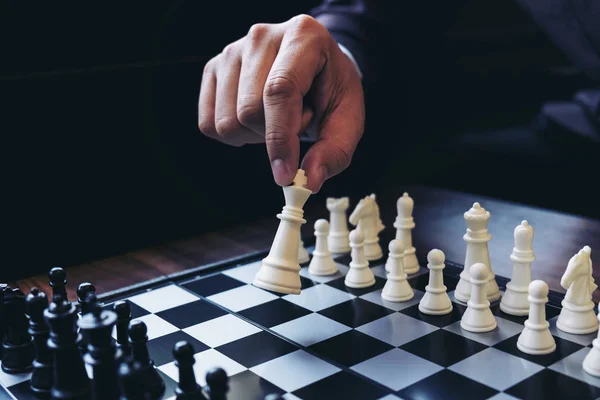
x: 332, y: 341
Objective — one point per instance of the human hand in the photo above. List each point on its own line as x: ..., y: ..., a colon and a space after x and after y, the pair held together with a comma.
x: 277, y: 82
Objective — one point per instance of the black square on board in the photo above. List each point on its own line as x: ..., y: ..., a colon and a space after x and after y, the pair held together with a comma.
x: 443, y: 348
x: 274, y: 312
x: 447, y: 385
x: 437, y: 320
x: 350, y: 348
x: 549, y: 384
x: 342, y: 385
x: 192, y: 313
x: 341, y: 285
x: 343, y: 259
x: 551, y: 312
x: 248, y: 386
x: 355, y: 312
x: 212, y: 285
x: 161, y: 348
x: 421, y: 281
x: 256, y: 349
x: 564, y: 348
x: 136, y: 311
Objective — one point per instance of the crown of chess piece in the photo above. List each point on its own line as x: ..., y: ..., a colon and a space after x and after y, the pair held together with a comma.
x: 187, y: 387
x: 436, y: 300
x: 477, y: 238
x: 478, y: 317
x: 359, y: 275
x: 18, y: 349
x: 217, y: 383
x: 280, y: 270
x: 322, y: 262
x: 577, y: 315
x: 404, y: 225
x: 515, y: 299
x: 396, y: 288
x: 338, y: 240
x: 42, y: 375
x: 535, y: 338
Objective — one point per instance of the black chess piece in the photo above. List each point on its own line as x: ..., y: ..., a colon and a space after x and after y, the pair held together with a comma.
x: 42, y: 375
x: 187, y: 388
x: 18, y: 348
x: 83, y: 290
x: 70, y: 379
x: 58, y: 282
x: 154, y: 385
x: 218, y: 384
x: 131, y: 379
x: 123, y: 311
x: 97, y: 325
x: 3, y: 288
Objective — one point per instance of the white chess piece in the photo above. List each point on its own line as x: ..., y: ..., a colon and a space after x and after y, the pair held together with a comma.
x: 280, y: 270
x: 591, y: 362
x: 322, y: 262
x: 514, y: 301
x: 303, y: 256
x: 338, y: 240
x: 366, y: 219
x: 477, y: 238
x: 359, y: 275
x: 436, y: 300
x: 536, y: 337
x: 397, y: 288
x: 404, y: 225
x: 577, y: 314
x: 478, y: 317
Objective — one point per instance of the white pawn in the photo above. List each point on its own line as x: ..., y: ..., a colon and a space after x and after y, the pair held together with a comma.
x: 303, y: 256
x: 359, y: 275
x: 322, y: 262
x: 436, y: 300
x: 478, y: 317
x: 397, y: 288
x: 404, y: 225
x: 514, y: 301
x: 536, y: 337
x: 591, y: 362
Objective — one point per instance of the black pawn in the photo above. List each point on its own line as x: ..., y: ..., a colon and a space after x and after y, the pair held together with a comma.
x: 84, y: 290
x: 58, y: 282
x: 187, y: 388
x: 41, y: 378
x: 218, y: 384
x: 154, y: 385
x: 123, y: 311
x: 101, y: 355
x: 18, y: 349
x: 71, y: 381
x: 131, y: 379
x: 3, y: 288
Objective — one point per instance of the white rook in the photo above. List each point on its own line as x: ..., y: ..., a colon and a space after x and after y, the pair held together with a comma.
x: 280, y: 270
x: 338, y: 240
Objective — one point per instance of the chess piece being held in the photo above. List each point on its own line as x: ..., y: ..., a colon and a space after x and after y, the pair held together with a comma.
x: 338, y: 240
x: 536, y: 337
x: 478, y: 317
x: 477, y: 238
x: 359, y: 275
x: 397, y: 288
x: 404, y: 225
x: 577, y: 314
x: 514, y: 301
x: 366, y: 219
x: 322, y: 262
x: 280, y: 270
x: 436, y: 300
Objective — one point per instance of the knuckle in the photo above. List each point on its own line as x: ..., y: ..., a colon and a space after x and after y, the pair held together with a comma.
x: 208, y: 67
x: 305, y: 23
x: 230, y: 51
x: 280, y: 86
x: 250, y: 112
x: 276, y: 138
x: 227, y: 127
x: 258, y: 32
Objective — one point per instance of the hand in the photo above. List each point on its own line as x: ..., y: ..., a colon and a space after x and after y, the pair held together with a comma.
x: 278, y: 82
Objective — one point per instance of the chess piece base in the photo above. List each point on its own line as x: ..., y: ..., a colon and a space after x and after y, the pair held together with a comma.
x: 435, y: 303
x: 278, y: 279
x: 411, y: 264
x: 578, y: 320
x: 325, y: 267
x: 515, y: 302
x: 395, y: 287
x: 42, y: 378
x: 591, y: 362
x: 17, y: 359
x: 486, y: 321
x: 544, y: 342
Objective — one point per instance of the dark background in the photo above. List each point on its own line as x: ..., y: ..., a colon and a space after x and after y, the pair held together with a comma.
x: 103, y: 154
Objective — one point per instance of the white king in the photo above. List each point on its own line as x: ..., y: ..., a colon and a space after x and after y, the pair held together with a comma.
x: 280, y: 270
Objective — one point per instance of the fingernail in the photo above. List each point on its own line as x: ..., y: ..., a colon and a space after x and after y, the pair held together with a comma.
x: 280, y: 172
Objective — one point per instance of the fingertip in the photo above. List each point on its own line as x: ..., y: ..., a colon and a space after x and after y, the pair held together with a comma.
x: 281, y: 172
x: 316, y: 177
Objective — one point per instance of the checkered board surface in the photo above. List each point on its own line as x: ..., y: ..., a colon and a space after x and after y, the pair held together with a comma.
x: 334, y: 342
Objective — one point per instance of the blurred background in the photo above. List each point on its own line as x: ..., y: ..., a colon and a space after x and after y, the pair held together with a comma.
x: 103, y: 152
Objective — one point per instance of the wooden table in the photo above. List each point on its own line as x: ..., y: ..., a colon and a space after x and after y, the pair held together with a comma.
x: 439, y: 222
